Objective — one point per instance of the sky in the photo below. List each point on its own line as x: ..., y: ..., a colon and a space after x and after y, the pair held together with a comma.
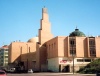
x: 20, y: 19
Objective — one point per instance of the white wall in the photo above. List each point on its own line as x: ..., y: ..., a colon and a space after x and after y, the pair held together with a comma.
x: 53, y: 64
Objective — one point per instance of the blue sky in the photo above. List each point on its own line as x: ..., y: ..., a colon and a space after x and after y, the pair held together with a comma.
x: 20, y: 19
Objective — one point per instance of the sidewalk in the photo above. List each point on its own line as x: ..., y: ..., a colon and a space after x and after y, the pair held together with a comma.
x: 77, y: 74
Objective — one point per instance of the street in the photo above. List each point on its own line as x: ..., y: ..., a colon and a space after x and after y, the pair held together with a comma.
x: 50, y: 74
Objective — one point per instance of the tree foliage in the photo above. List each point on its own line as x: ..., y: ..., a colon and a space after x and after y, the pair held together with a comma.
x: 91, y: 68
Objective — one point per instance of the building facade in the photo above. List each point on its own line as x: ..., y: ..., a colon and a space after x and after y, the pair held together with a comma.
x: 4, y: 56
x: 63, y: 52
x: 58, y: 54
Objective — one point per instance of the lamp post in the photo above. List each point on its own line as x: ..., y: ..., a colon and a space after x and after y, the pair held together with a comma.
x: 72, y: 45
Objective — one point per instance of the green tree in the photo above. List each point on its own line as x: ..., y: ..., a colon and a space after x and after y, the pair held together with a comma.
x: 91, y: 68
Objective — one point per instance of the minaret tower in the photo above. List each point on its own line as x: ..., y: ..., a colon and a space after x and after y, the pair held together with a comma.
x: 44, y: 35
x: 45, y: 27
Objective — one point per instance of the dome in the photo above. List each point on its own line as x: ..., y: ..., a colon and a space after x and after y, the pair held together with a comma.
x: 33, y: 40
x: 77, y: 33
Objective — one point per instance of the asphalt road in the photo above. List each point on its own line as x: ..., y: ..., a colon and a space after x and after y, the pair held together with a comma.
x: 50, y: 74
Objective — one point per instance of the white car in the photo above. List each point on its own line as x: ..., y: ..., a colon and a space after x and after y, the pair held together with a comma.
x: 30, y: 71
x: 11, y: 70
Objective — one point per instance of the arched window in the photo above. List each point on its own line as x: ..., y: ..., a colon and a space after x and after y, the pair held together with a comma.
x: 29, y: 49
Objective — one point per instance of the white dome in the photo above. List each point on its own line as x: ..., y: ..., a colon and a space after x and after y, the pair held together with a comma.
x: 33, y: 40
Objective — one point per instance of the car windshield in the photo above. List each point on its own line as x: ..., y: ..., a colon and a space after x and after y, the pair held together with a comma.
x: 2, y: 72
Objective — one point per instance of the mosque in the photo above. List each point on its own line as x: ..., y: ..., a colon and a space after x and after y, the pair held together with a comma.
x: 57, y: 54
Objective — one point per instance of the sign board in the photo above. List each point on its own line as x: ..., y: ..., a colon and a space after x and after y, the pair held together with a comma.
x: 65, y: 61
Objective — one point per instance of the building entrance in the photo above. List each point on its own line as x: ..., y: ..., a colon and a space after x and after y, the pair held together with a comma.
x: 66, y: 68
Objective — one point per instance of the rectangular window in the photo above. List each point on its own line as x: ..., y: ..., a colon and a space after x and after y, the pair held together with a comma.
x: 83, y: 60
x: 92, y: 47
x: 73, y: 52
x: 92, y: 52
x: 91, y: 42
x: 1, y: 56
x: 6, y: 49
x: 6, y: 56
x: 80, y: 60
x: 87, y: 60
x: 72, y: 44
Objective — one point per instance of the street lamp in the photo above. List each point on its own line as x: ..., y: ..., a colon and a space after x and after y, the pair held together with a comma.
x: 72, y: 45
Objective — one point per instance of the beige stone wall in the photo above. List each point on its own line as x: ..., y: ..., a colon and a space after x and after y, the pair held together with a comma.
x: 52, y: 48
x: 18, y: 48
x: 30, y: 54
x: 41, y: 58
x: 97, y: 43
x: 56, y: 47
x: 38, y: 57
x: 62, y: 46
x: 66, y: 47
x: 14, y: 51
x: 22, y: 51
x: 80, y: 46
x: 86, y: 47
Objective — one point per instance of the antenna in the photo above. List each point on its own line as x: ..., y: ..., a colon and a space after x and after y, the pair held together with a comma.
x: 76, y: 26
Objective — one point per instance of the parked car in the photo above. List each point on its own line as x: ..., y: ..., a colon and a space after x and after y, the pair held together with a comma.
x: 30, y: 71
x: 2, y: 73
x: 11, y: 70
